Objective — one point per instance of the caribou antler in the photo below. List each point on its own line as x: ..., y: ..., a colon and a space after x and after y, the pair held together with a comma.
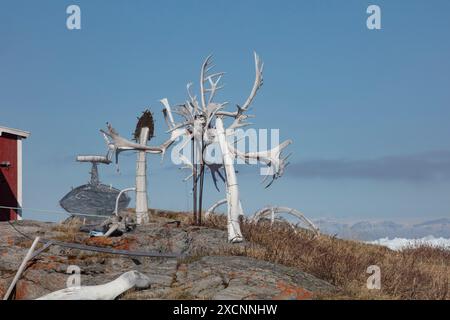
x: 259, y: 65
x: 272, y: 158
x: 239, y: 121
x: 167, y: 112
x: 203, y: 125
x: 192, y: 97
x: 212, y: 79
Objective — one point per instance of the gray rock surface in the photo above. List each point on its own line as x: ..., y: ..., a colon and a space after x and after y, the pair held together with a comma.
x: 202, y: 273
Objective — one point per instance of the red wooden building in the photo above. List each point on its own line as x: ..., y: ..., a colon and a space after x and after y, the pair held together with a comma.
x: 11, y: 172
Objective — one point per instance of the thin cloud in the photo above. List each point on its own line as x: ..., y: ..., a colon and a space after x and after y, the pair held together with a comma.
x: 427, y: 166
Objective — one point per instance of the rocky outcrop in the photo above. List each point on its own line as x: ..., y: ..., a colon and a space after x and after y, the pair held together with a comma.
x: 205, y: 271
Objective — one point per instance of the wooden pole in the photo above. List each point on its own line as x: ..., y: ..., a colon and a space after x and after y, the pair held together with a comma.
x: 194, y: 182
x: 202, y: 174
x: 21, y: 268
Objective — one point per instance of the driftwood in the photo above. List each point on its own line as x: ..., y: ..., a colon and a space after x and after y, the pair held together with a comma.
x: 21, y: 268
x: 107, y: 291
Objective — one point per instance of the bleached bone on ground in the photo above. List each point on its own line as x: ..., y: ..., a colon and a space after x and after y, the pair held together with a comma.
x: 111, y: 230
x: 123, y: 222
x: 107, y: 291
x: 273, y: 212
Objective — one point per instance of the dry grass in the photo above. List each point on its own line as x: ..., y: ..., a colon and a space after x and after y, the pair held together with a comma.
x: 68, y: 230
x: 414, y: 273
x: 183, y: 217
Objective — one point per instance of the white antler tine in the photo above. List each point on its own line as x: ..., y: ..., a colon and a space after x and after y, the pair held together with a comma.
x: 257, y: 83
x: 203, y: 72
x: 209, y: 68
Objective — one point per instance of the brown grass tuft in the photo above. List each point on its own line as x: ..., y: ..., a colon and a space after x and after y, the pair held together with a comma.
x: 69, y: 230
x: 414, y: 273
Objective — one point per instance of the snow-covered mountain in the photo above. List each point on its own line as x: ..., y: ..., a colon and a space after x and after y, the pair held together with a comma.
x: 369, y: 231
x: 400, y: 243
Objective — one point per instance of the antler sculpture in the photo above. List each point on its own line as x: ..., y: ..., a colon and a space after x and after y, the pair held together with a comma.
x: 117, y: 144
x: 203, y: 124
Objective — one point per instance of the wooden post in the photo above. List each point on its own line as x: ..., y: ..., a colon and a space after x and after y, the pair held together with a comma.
x: 141, y: 180
x: 194, y: 182
x: 202, y: 175
x: 21, y: 268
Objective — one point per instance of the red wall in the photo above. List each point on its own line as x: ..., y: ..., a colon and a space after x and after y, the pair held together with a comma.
x: 8, y: 176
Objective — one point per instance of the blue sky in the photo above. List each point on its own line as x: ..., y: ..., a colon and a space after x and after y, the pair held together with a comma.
x: 367, y: 110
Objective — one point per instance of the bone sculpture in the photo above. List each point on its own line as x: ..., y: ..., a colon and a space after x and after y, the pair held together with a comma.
x: 203, y: 123
x: 107, y: 291
x: 117, y: 144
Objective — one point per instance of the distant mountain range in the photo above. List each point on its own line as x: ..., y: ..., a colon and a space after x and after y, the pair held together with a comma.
x: 368, y: 231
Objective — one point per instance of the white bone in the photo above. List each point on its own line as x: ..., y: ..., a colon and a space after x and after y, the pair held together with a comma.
x: 214, y: 207
x: 205, y: 126
x: 107, y: 291
x: 232, y: 190
x: 274, y: 212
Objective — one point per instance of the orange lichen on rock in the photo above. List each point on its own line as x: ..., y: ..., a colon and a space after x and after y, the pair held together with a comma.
x: 123, y: 244
x: 45, y: 266
x: 21, y: 290
x: 120, y: 244
x: 99, y: 241
x: 289, y: 292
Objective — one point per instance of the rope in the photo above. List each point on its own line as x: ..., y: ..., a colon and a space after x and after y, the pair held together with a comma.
x: 79, y: 246
x: 55, y: 212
